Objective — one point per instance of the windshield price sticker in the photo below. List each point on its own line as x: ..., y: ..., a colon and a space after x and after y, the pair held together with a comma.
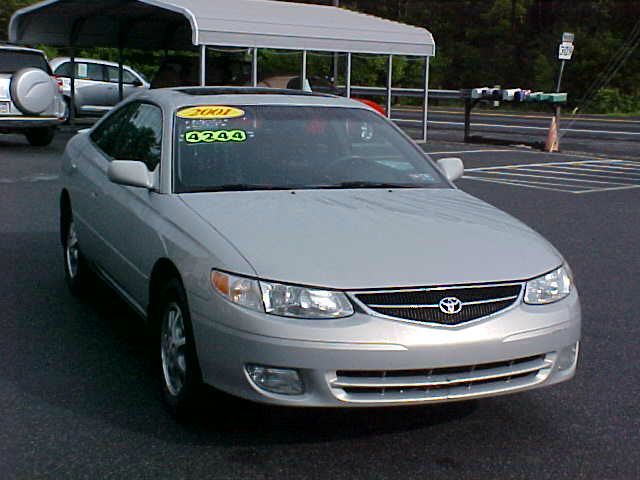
x: 206, y: 112
x: 212, y: 136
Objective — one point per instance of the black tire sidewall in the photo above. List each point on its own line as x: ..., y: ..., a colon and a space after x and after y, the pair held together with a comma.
x: 76, y: 284
x: 40, y: 136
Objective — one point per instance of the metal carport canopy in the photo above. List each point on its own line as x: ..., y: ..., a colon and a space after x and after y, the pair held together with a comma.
x: 178, y: 24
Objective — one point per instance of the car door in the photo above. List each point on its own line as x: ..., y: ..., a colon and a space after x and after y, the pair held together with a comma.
x: 126, y: 216
x: 91, y: 87
x: 88, y: 165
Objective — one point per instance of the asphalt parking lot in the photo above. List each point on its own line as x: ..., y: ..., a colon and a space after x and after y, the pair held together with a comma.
x: 79, y: 399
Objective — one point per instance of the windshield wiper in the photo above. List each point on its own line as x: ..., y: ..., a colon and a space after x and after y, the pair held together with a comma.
x: 364, y: 184
x: 238, y: 187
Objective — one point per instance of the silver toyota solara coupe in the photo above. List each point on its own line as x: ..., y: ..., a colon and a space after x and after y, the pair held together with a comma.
x: 298, y: 249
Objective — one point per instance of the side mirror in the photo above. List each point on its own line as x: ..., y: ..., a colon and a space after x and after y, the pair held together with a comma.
x: 452, y: 167
x: 136, y: 83
x: 131, y: 173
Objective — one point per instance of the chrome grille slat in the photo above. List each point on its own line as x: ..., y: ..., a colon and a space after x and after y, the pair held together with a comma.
x: 440, y: 384
x: 437, y: 380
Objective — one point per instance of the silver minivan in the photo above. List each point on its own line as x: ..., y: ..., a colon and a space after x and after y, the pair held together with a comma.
x: 96, y: 83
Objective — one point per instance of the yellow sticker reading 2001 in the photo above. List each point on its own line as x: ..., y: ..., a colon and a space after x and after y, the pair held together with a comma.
x: 207, y: 112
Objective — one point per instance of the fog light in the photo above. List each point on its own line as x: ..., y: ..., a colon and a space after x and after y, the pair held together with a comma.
x: 568, y: 356
x: 284, y: 381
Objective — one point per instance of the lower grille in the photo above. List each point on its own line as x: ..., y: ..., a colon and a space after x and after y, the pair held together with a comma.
x: 425, y: 304
x: 440, y: 384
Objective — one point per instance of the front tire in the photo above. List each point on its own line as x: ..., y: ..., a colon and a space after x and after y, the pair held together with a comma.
x: 179, y: 369
x: 41, y: 136
x: 76, y: 272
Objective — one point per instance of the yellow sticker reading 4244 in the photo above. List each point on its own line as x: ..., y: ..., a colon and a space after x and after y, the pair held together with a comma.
x: 211, y: 136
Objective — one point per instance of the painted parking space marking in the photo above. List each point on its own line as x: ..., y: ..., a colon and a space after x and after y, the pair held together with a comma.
x: 588, y: 176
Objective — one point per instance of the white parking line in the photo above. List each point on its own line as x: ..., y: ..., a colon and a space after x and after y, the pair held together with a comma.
x: 38, y: 177
x: 457, y: 152
x: 574, y: 180
x: 517, y: 183
x: 543, y: 164
x: 579, y: 177
x: 580, y: 172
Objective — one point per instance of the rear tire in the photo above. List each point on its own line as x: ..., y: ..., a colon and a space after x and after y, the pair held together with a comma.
x: 68, y: 107
x: 41, y: 136
x: 179, y: 370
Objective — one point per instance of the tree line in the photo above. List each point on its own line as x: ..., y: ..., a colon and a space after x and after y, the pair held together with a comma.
x: 512, y: 43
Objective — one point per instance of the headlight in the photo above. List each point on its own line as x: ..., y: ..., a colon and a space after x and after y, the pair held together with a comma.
x: 549, y: 288
x: 280, y: 299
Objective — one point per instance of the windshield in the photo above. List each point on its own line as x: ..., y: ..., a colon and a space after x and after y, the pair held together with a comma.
x: 284, y: 147
x: 13, y: 60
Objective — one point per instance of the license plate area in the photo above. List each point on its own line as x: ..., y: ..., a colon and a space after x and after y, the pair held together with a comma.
x: 5, y: 107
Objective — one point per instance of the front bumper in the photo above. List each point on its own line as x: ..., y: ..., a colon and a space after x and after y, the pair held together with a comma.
x: 369, y: 361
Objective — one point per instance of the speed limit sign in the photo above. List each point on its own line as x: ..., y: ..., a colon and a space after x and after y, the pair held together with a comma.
x: 565, y: 51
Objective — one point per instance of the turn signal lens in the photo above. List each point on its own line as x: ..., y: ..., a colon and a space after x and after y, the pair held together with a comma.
x: 239, y: 290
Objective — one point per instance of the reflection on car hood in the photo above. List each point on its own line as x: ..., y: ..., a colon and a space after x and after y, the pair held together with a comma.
x: 358, y: 239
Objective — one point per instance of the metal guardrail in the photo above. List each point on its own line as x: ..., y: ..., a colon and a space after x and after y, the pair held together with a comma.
x: 404, y: 92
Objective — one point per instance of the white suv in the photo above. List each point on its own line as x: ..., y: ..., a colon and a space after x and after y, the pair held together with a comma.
x: 96, y: 83
x: 30, y: 99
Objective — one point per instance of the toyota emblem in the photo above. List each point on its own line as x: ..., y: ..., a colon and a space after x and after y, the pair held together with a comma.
x: 450, y: 305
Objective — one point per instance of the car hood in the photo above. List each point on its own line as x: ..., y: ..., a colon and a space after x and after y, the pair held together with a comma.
x: 375, y: 238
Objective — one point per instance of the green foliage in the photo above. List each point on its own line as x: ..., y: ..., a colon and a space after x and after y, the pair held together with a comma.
x: 7, y: 7
x: 611, y: 100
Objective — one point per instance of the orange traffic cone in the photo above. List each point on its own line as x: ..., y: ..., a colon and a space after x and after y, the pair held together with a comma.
x: 552, y: 137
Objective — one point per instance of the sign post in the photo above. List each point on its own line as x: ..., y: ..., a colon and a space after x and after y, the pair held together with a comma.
x: 565, y: 52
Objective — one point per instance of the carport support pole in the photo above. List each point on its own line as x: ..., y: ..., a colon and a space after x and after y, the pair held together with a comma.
x: 72, y: 92
x: 254, y: 67
x: 203, y: 65
x: 303, y: 73
x: 120, y: 73
x: 425, y: 107
x: 389, y: 85
x: 348, y: 75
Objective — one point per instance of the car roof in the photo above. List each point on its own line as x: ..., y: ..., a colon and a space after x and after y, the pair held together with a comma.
x: 5, y: 46
x: 173, y: 98
x: 59, y: 60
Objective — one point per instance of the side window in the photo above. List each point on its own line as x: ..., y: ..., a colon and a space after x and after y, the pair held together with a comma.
x: 127, y: 77
x: 90, y: 71
x: 106, y: 136
x: 63, y: 70
x: 141, y: 135
x: 112, y: 74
